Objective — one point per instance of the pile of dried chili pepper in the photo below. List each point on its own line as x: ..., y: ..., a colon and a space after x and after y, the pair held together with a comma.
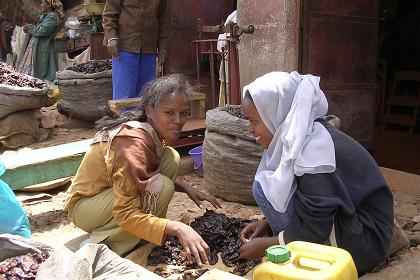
x: 21, y: 267
x: 92, y: 66
x: 220, y: 232
x: 236, y: 111
x: 8, y: 76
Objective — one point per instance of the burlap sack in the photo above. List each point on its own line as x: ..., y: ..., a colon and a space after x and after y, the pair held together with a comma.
x: 230, y: 157
x: 19, y: 129
x: 14, y: 98
x: 84, y: 96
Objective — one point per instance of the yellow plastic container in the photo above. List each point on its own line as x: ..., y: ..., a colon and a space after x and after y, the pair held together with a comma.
x: 306, y: 261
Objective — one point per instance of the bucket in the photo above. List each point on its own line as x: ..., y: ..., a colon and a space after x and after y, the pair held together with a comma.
x: 197, y: 157
x: 306, y: 261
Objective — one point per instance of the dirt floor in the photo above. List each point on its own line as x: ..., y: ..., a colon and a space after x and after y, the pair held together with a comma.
x: 50, y: 225
x: 49, y: 221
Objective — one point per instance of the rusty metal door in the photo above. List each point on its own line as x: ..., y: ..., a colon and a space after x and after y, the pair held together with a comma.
x: 183, y: 18
x: 339, y: 44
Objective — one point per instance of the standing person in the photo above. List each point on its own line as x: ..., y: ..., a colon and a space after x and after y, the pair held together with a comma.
x: 224, y: 73
x: 40, y: 58
x: 314, y: 183
x: 121, y: 192
x: 6, y: 31
x: 134, y: 31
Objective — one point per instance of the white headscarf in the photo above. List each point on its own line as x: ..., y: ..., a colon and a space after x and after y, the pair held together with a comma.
x: 288, y: 105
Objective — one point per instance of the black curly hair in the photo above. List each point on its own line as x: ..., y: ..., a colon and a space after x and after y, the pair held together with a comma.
x: 153, y: 93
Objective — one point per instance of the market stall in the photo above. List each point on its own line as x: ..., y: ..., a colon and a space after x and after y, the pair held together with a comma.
x: 86, y: 31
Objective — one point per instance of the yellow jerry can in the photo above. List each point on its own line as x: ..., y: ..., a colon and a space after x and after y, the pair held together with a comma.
x: 304, y: 261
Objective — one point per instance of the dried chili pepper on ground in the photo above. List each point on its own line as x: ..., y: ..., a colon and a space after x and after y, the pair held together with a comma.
x: 220, y: 232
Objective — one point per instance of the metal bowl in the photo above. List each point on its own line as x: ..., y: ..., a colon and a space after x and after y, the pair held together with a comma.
x: 94, y: 9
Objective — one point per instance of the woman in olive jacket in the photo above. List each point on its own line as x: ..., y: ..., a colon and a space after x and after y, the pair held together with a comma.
x: 40, y: 58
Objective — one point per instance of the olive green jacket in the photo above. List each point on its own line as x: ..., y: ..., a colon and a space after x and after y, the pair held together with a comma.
x: 44, y: 56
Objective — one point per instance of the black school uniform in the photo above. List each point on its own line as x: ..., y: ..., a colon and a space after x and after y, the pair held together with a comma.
x: 355, y: 198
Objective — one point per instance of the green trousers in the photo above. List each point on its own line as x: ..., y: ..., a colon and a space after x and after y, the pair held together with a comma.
x: 103, y: 227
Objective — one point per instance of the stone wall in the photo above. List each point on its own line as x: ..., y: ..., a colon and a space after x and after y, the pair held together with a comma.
x: 274, y: 46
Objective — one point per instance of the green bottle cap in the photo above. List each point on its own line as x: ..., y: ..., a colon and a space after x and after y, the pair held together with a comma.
x: 277, y: 254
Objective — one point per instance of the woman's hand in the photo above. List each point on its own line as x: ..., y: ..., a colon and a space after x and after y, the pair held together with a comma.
x: 26, y: 27
x: 192, y: 242
x: 196, y: 195
x: 252, y: 230
x: 255, y: 248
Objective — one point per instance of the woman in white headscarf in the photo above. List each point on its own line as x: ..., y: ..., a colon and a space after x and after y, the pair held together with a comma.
x: 314, y: 183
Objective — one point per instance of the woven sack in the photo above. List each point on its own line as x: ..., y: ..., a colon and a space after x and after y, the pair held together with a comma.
x: 14, y: 98
x: 230, y: 156
x: 84, y: 96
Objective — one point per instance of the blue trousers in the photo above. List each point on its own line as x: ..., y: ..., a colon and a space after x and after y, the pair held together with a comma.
x: 277, y: 221
x: 130, y: 72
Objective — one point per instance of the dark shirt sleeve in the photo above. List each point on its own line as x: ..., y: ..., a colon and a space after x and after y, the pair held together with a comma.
x: 354, y: 198
x: 164, y: 34
x: 316, y: 202
x: 110, y: 19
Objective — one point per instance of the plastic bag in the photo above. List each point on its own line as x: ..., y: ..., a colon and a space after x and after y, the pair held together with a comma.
x: 92, y: 261
x: 13, y: 218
